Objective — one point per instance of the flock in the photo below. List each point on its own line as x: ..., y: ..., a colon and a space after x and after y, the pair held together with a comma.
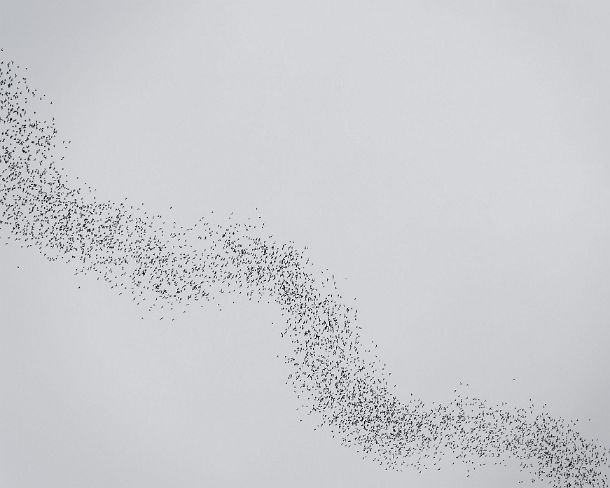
x: 339, y: 380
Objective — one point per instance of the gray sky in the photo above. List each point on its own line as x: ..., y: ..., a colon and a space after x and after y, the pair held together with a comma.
x: 449, y: 163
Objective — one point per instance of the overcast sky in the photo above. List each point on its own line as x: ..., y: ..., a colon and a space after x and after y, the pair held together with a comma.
x: 448, y: 161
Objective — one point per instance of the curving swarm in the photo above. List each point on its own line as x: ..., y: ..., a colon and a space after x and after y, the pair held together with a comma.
x: 337, y: 377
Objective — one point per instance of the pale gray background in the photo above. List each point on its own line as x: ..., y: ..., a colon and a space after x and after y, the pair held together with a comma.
x: 447, y: 160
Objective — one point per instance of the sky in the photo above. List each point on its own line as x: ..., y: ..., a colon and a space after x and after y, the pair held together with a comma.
x: 447, y: 161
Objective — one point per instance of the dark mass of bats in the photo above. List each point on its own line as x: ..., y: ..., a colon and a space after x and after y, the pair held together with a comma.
x: 338, y: 378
